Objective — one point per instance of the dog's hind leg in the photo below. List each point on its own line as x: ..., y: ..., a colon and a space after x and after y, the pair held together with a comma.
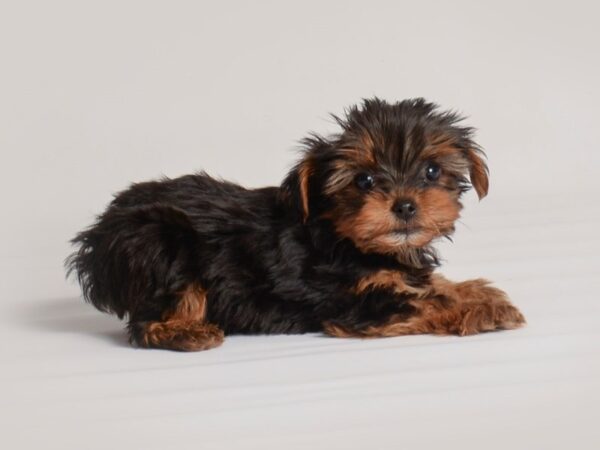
x: 183, y: 328
x: 143, y: 262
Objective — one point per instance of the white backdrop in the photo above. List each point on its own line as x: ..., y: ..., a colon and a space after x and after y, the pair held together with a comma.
x: 95, y: 95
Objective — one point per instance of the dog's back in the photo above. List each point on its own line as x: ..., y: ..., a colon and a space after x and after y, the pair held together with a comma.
x: 143, y: 243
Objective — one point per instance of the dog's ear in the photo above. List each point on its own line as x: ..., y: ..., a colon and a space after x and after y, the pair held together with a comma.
x: 305, y: 172
x: 295, y: 187
x: 478, y: 171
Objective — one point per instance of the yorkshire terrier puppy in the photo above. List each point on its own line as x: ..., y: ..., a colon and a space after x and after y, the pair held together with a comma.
x: 343, y: 246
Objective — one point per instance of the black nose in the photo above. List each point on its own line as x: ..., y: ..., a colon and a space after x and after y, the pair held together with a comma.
x: 405, y: 209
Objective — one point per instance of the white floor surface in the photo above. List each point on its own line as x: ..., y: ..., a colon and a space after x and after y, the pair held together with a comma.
x: 69, y: 380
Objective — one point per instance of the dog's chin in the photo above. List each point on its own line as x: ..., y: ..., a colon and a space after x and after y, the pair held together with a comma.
x: 404, y: 238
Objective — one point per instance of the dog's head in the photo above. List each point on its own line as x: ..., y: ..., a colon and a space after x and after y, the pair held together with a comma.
x: 392, y: 179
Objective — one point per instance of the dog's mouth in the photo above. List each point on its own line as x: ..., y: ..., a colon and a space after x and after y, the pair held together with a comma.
x: 404, y: 232
x: 403, y: 235
x: 412, y: 236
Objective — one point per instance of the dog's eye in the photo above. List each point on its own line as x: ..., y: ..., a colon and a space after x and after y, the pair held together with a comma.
x: 433, y: 172
x: 364, y: 181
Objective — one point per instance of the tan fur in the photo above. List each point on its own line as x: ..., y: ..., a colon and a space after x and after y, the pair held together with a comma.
x: 183, y: 335
x: 478, y: 173
x: 449, y: 156
x: 461, y: 309
x: 184, y: 328
x: 342, y: 176
x: 438, y: 210
x: 357, y: 159
x: 362, y: 145
x: 374, y: 227
x: 384, y: 278
x: 192, y: 305
x: 375, y: 218
x: 442, y: 150
x: 370, y: 229
x: 304, y: 173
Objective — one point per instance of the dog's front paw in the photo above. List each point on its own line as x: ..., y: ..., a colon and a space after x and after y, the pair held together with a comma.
x: 477, y: 317
x: 485, y: 308
x: 476, y: 306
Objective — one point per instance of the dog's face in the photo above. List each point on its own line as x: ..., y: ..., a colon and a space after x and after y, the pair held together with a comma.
x: 393, y: 178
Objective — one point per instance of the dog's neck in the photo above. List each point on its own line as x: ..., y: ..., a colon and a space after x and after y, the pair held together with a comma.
x: 419, y: 258
x: 328, y: 244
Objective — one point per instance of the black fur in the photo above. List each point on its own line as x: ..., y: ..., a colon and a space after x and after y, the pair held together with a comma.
x: 267, y: 266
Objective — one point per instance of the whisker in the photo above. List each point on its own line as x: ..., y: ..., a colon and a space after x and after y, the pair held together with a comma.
x: 464, y: 225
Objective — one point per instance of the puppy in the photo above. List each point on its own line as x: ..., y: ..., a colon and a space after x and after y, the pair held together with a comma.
x: 343, y: 246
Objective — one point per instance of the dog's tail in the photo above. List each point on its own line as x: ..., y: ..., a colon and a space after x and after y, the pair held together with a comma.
x: 124, y: 259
